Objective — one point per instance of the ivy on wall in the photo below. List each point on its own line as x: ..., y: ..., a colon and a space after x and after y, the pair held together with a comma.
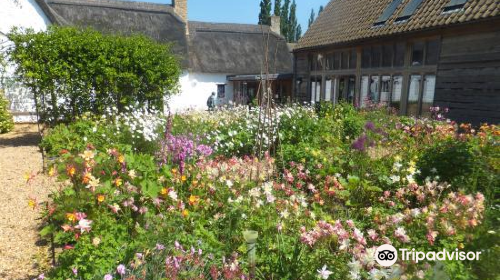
x: 72, y: 71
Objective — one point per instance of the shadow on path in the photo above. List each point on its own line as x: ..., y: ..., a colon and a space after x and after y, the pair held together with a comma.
x: 21, y: 136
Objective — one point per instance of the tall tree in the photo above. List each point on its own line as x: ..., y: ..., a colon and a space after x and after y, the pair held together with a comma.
x: 265, y: 12
x: 298, y: 33
x: 293, y: 23
x: 285, y: 26
x: 321, y: 8
x: 312, y: 17
x: 277, y: 8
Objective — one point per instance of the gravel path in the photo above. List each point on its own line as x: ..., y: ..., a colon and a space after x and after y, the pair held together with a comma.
x: 22, y: 254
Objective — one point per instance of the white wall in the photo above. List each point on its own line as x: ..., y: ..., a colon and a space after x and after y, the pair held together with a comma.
x: 22, y: 14
x: 195, y: 88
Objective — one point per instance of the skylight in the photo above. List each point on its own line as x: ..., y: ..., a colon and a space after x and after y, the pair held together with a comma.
x: 409, y: 10
x: 387, y: 12
x: 454, y: 5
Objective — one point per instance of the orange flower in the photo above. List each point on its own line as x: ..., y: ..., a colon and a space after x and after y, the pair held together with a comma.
x: 195, y: 183
x: 194, y: 199
x: 118, y: 182
x: 164, y: 191
x: 86, y: 178
x: 32, y: 203
x: 71, y: 217
x: 121, y: 159
x: 52, y: 171
x: 174, y: 170
x: 185, y: 213
x: 183, y: 178
x: 101, y: 198
x: 71, y: 170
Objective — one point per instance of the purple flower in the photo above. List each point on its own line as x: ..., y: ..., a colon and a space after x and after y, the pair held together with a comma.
x: 370, y: 126
x: 360, y: 143
x: 160, y: 247
x: 75, y: 271
x: 121, y: 269
x: 108, y: 277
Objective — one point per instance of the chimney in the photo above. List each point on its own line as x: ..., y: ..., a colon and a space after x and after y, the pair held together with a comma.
x: 276, y: 24
x: 181, y: 9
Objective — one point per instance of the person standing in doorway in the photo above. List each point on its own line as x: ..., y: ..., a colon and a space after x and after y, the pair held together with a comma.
x: 211, y: 102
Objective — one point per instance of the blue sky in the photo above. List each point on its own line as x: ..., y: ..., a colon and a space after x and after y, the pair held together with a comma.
x: 240, y: 11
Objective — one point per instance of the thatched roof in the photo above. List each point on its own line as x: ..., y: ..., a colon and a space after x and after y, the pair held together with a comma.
x: 209, y: 47
x: 236, y: 49
x: 157, y: 21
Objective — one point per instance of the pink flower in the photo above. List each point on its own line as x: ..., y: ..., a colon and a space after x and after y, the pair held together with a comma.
x: 350, y: 223
x: 372, y: 234
x: 431, y: 236
x: 80, y: 216
x: 121, y: 269
x: 400, y: 233
x: 108, y: 277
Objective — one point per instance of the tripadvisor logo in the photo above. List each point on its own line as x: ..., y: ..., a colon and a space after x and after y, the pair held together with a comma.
x: 386, y: 255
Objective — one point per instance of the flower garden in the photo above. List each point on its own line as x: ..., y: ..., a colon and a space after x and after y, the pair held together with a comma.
x: 154, y: 196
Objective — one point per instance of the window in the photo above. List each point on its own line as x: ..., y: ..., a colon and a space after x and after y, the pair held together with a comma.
x: 345, y: 60
x: 336, y: 61
x: 454, y: 5
x: 385, y: 89
x: 399, y: 55
x: 428, y: 95
x: 417, y: 54
x: 397, y: 86
x: 319, y: 59
x: 376, y: 56
x: 364, y: 91
x: 387, y: 54
x: 328, y: 89
x: 317, y: 62
x: 409, y: 10
x: 353, y: 59
x: 432, y: 52
x: 413, y: 94
x: 373, y: 95
x: 221, y: 91
x: 329, y: 62
x: 388, y: 12
x: 315, y: 89
x: 365, y: 59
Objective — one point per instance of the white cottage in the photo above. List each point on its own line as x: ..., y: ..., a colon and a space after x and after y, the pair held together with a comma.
x: 213, y: 55
x: 22, y: 14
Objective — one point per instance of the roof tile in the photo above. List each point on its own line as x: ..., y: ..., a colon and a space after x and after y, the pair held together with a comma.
x: 347, y: 20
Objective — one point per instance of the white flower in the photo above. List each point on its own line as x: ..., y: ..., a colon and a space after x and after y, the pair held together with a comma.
x: 84, y: 225
x: 173, y: 195
x: 324, y: 273
x: 255, y: 192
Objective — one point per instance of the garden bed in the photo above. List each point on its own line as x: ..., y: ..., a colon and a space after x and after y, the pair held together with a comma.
x: 154, y: 197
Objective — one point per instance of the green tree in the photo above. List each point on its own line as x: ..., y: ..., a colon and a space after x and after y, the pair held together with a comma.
x: 277, y: 8
x: 285, y: 26
x: 6, y: 121
x: 265, y: 12
x: 72, y: 71
x: 321, y: 8
x: 294, y: 30
x: 298, y: 33
x: 312, y: 17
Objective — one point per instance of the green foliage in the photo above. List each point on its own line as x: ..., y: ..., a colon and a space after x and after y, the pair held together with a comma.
x: 6, y: 120
x: 265, y: 12
x: 72, y: 71
x: 313, y: 180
